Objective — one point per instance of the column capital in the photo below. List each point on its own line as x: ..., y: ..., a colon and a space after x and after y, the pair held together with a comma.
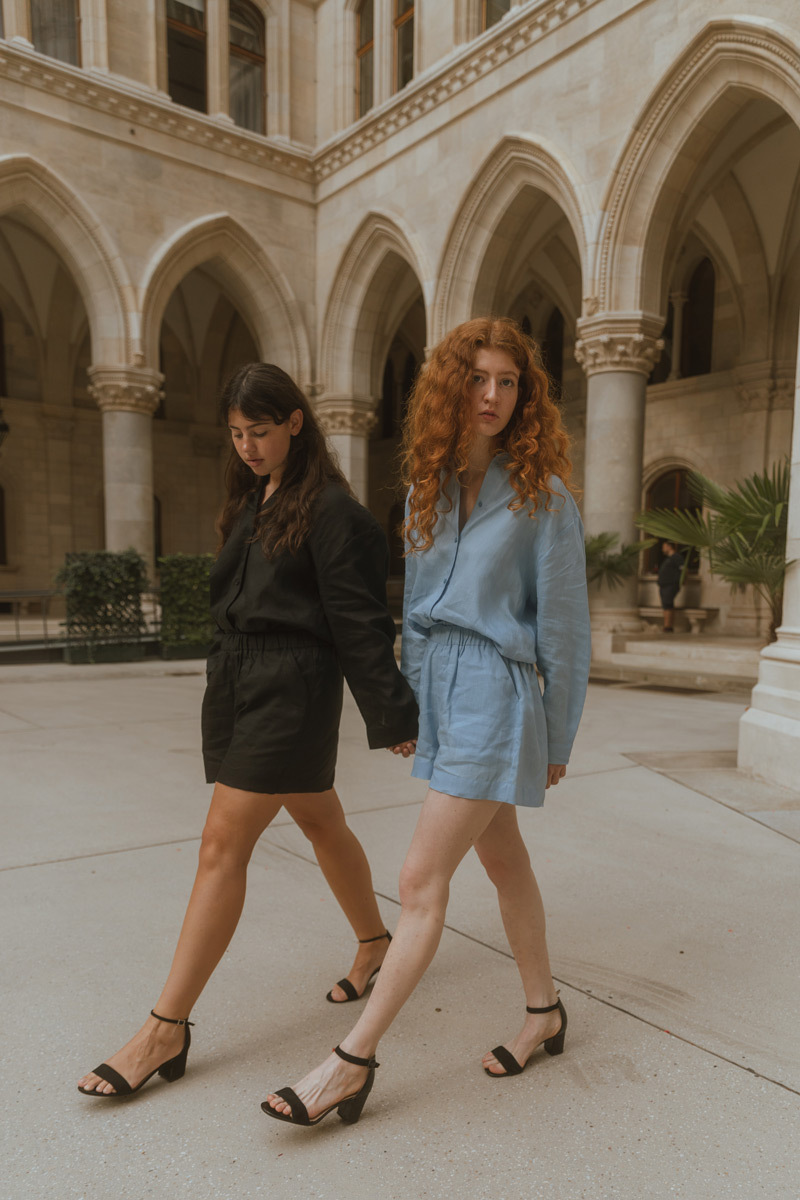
x: 619, y: 342
x: 346, y: 414
x: 125, y: 389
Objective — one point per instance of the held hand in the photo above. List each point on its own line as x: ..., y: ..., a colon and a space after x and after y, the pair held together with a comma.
x: 404, y: 748
x: 555, y: 771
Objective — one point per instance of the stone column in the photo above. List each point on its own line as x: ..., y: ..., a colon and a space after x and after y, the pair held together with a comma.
x: 617, y: 351
x: 17, y: 21
x: 769, y: 732
x: 94, y: 35
x: 218, y: 36
x: 127, y: 398
x: 348, y: 422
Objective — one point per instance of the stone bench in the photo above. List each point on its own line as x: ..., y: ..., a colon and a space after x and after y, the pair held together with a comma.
x: 696, y: 617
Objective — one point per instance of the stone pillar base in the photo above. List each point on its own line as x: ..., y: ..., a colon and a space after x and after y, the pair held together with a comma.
x: 769, y: 732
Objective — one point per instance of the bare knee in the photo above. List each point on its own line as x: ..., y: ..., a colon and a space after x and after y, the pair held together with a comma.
x: 221, y: 849
x: 420, y: 890
x: 505, y: 867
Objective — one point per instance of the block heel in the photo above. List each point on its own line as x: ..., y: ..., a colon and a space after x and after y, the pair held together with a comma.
x: 171, y: 1070
x: 553, y: 1045
x: 349, y: 1109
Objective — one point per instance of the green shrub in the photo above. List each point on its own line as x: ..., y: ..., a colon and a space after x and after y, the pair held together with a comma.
x: 103, y: 594
x: 185, y: 612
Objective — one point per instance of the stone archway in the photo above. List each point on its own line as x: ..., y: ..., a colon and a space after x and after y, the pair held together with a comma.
x: 518, y: 164
x: 60, y: 217
x: 245, y: 272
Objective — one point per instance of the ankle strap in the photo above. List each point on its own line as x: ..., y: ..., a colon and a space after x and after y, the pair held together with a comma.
x: 170, y: 1020
x: 351, y: 1058
x: 379, y: 938
x: 550, y: 1008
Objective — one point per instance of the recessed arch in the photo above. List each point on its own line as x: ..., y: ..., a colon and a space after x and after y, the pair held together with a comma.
x: 731, y: 59
x: 381, y: 260
x: 516, y: 164
x: 245, y: 273
x: 45, y: 202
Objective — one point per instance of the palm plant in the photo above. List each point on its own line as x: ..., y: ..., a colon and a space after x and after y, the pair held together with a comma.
x: 742, y: 531
x: 604, y: 565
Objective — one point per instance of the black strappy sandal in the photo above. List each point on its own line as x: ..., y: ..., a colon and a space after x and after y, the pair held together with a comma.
x: 345, y: 984
x: 171, y: 1070
x: 348, y: 1109
x: 553, y: 1045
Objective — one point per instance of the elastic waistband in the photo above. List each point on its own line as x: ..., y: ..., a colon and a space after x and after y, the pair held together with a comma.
x: 242, y: 643
x: 454, y: 635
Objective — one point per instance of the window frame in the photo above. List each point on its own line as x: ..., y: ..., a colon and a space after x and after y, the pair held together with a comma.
x: 362, y: 49
x: 76, y: 6
x: 199, y: 35
x: 397, y: 24
x: 484, y: 14
x: 250, y: 56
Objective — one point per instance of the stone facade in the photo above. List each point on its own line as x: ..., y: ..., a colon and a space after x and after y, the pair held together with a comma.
x: 623, y: 178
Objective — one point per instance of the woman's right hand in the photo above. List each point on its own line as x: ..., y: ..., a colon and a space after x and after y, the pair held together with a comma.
x: 404, y: 748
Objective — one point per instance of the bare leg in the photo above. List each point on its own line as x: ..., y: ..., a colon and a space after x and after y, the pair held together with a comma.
x: 505, y: 859
x: 235, y: 821
x: 344, y: 864
x: 446, y: 829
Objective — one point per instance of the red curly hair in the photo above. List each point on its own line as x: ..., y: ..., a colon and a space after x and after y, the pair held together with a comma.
x: 438, y: 436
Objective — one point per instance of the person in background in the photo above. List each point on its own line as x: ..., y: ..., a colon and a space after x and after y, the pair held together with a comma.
x: 669, y: 582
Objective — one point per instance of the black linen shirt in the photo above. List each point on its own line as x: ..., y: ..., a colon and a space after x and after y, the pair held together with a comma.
x: 333, y: 588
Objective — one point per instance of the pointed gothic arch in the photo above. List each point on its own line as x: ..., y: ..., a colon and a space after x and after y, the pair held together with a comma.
x: 382, y: 260
x: 245, y: 273
x: 517, y: 163
x: 731, y: 58
x: 47, y: 203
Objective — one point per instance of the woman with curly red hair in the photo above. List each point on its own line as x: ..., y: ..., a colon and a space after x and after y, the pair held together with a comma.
x: 495, y: 591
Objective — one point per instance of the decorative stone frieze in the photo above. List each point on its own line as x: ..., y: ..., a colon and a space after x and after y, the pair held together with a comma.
x: 619, y: 342
x: 125, y: 389
x: 350, y: 416
x: 760, y: 388
x: 512, y: 36
x: 138, y: 105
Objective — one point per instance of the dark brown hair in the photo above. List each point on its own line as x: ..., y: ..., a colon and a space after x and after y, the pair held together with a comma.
x: 262, y: 391
x: 438, y: 434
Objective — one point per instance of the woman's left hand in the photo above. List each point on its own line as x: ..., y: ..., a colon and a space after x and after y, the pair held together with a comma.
x: 404, y: 748
x: 555, y: 771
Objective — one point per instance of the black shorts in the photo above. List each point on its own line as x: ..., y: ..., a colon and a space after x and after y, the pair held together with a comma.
x: 271, y: 713
x: 668, y: 595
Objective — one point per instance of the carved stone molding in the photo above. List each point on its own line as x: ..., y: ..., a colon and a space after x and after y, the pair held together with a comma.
x: 761, y: 387
x: 125, y: 389
x: 619, y: 342
x: 513, y: 35
x: 353, y: 416
x: 140, y: 106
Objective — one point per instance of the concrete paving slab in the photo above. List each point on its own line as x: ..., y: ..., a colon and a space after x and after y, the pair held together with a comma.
x: 627, y: 1112
x: 635, y: 867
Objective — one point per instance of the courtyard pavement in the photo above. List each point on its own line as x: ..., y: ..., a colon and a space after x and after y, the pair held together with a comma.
x: 670, y: 884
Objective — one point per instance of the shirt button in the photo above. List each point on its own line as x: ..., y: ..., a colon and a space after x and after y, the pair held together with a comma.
x: 480, y: 504
x: 237, y: 583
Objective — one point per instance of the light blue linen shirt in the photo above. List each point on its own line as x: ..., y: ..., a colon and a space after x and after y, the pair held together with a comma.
x: 517, y: 580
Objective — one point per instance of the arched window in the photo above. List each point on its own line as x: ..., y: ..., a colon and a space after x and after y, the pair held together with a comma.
x: 247, y: 66
x: 670, y: 490
x: 553, y: 347
x: 698, y: 321
x: 365, y: 57
x: 3, y: 543
x: 55, y: 26
x: 492, y: 11
x: 186, y: 52
x: 403, y: 43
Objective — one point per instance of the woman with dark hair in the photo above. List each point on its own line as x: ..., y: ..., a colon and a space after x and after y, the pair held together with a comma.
x: 298, y: 594
x: 495, y: 589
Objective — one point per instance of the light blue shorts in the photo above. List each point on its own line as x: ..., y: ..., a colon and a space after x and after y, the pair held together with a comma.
x: 482, y: 728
